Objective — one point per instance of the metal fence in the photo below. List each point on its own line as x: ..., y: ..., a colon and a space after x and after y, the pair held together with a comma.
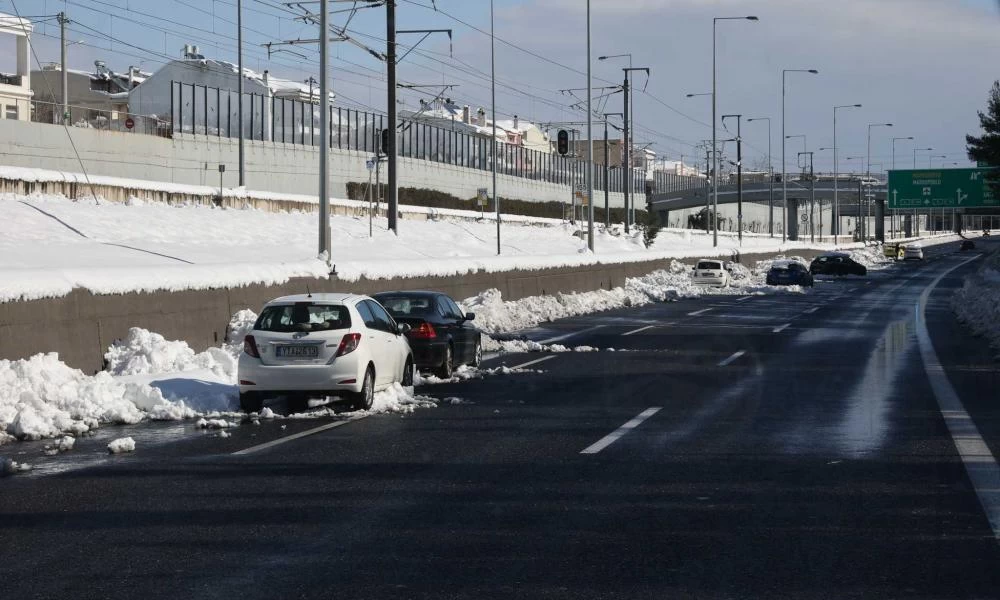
x: 212, y: 111
x: 87, y: 117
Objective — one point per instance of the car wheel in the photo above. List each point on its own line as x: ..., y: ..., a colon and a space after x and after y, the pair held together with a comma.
x: 251, y: 402
x: 364, y: 399
x: 477, y: 355
x: 408, y: 373
x: 448, y: 366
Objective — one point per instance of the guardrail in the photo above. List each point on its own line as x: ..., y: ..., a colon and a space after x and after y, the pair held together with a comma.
x: 95, y: 118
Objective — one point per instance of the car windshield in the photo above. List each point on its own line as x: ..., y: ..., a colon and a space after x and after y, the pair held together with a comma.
x: 305, y: 317
x: 709, y: 265
x: 407, y: 306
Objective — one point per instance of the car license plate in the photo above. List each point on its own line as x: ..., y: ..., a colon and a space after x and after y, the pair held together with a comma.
x: 297, y: 351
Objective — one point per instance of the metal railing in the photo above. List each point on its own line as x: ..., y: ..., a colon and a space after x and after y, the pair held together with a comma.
x: 95, y: 118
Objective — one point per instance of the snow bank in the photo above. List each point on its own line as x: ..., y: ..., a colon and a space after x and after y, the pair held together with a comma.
x: 143, y: 352
x: 42, y: 397
x: 121, y: 445
x: 495, y: 315
x: 977, y: 303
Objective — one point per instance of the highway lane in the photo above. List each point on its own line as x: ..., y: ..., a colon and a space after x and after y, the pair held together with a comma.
x: 813, y: 464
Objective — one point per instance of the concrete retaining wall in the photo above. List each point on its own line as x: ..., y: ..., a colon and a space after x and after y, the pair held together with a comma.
x: 274, y: 167
x: 80, y: 326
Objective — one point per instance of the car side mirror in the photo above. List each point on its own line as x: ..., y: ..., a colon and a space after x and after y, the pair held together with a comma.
x: 470, y: 316
x: 403, y: 328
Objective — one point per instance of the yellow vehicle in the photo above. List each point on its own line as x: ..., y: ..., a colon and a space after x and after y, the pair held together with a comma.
x: 892, y: 251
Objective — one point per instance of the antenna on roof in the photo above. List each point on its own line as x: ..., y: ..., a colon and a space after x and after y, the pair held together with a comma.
x: 308, y: 293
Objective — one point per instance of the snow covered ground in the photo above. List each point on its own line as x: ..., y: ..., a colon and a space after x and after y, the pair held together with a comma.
x: 50, y: 245
x: 977, y: 304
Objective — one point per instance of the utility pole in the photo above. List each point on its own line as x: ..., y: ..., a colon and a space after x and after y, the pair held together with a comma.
x: 739, y: 176
x: 239, y: 86
x: 493, y: 109
x: 708, y: 189
x: 325, y: 247
x: 607, y: 208
x: 590, y: 142
x: 62, y: 53
x: 627, y: 163
x: 390, y: 59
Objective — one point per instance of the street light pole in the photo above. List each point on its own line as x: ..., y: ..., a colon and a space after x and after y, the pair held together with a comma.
x: 239, y: 85
x: 590, y: 142
x: 715, y: 156
x: 739, y: 177
x: 493, y: 101
x: 784, y: 175
x: 770, y: 176
x: 835, y: 226
x: 325, y: 241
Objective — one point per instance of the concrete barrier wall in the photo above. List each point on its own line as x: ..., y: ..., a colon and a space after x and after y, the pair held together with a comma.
x: 274, y: 167
x: 80, y: 326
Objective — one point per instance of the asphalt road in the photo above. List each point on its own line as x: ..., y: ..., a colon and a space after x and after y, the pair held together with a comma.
x: 785, y: 446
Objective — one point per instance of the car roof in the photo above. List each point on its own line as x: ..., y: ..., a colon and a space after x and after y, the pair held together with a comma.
x: 718, y: 260
x: 326, y: 298
x: 783, y: 262
x: 412, y: 293
x: 832, y: 254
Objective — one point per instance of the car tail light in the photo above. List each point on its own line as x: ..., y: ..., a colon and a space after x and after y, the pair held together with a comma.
x: 246, y: 382
x: 250, y: 346
x: 349, y: 343
x: 423, y: 331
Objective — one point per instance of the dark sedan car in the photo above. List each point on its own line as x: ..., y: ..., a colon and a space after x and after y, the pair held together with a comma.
x: 967, y: 245
x: 836, y: 263
x: 789, y: 272
x: 441, y: 336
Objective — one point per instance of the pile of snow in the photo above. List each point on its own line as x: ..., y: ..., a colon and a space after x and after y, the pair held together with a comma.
x: 871, y: 256
x: 143, y: 352
x: 495, y: 315
x: 42, y: 397
x: 63, y: 444
x: 467, y: 372
x: 977, y: 304
x: 121, y: 445
x: 10, y: 467
x: 215, y: 424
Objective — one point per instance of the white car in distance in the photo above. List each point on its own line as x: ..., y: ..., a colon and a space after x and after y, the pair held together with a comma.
x: 319, y: 345
x: 913, y: 252
x: 711, y: 272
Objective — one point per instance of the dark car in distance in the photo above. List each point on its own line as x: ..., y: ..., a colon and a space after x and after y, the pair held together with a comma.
x: 967, y: 245
x: 441, y: 336
x: 789, y: 272
x: 836, y: 263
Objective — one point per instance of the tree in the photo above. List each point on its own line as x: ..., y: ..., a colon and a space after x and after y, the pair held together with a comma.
x: 650, y: 227
x: 986, y: 148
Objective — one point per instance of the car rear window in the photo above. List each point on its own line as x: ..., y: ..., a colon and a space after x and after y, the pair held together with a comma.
x: 303, y: 316
x: 407, y: 306
x: 708, y: 265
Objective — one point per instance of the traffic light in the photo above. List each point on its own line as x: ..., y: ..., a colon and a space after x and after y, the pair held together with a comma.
x: 562, y: 142
x: 385, y: 141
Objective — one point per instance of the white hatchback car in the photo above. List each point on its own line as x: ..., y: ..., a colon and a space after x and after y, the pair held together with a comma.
x: 711, y: 272
x: 913, y: 252
x: 323, y: 345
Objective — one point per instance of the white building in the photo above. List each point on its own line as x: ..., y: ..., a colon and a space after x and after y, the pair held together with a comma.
x: 15, y: 88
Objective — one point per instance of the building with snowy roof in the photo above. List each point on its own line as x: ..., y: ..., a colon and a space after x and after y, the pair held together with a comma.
x: 91, y: 95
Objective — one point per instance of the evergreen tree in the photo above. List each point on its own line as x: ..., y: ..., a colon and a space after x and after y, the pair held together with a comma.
x: 986, y: 148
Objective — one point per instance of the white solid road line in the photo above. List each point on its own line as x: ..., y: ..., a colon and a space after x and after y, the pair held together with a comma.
x: 698, y: 312
x: 296, y: 436
x: 617, y: 434
x: 639, y: 330
x: 732, y: 358
x: 811, y: 310
x: 979, y: 462
x: 566, y: 336
x: 743, y: 298
x: 781, y: 328
x: 852, y: 290
x: 533, y: 362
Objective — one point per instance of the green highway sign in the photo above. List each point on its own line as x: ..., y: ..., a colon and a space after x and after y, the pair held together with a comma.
x: 940, y: 188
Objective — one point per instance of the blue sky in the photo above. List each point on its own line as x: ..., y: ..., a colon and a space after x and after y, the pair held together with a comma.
x: 925, y: 65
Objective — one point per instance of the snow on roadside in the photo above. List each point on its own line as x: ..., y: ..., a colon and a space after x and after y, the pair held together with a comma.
x: 495, y: 315
x: 976, y: 303
x: 143, y: 352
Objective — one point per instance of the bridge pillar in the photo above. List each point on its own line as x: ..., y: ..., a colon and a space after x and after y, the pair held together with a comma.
x: 793, y: 219
x: 880, y: 220
x: 907, y: 225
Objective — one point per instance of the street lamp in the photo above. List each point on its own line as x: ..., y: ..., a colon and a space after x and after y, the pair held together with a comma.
x: 915, y: 150
x: 715, y: 157
x: 835, y: 227
x: 870, y: 125
x: 696, y: 95
x: 910, y: 137
x: 629, y: 126
x: 770, y: 176
x: 931, y: 158
x: 784, y: 178
x: 800, y: 135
